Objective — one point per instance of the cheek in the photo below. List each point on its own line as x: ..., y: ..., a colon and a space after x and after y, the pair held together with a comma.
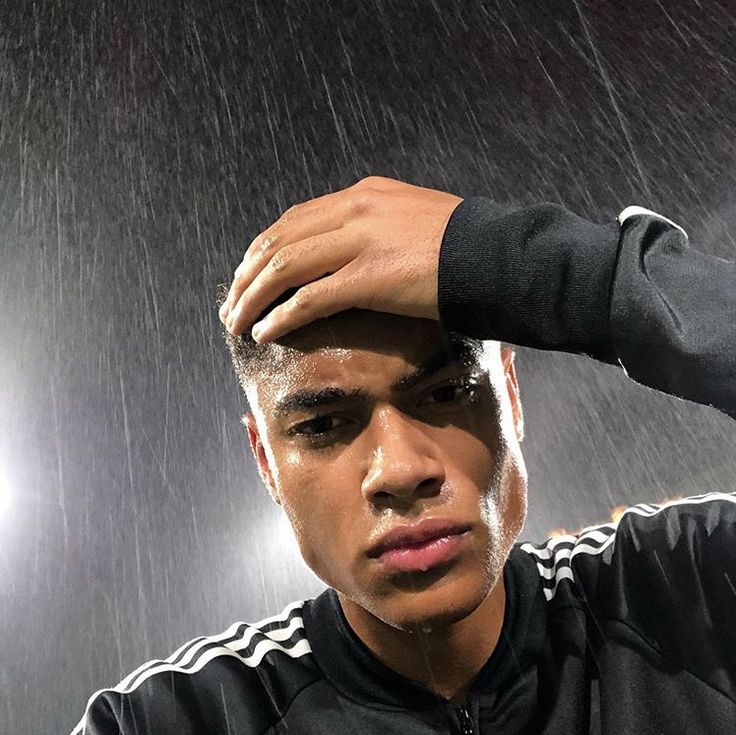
x: 477, y: 452
x: 297, y: 488
x: 489, y: 457
x: 504, y: 503
x: 314, y: 496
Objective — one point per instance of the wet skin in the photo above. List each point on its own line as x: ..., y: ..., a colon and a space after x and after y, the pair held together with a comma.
x: 370, y: 421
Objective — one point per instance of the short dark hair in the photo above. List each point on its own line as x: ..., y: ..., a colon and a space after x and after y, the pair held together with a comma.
x: 251, y: 359
x: 248, y: 357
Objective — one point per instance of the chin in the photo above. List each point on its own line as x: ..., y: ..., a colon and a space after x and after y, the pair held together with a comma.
x: 435, y: 606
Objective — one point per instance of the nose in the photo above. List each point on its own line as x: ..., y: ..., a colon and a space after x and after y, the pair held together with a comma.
x: 404, y: 462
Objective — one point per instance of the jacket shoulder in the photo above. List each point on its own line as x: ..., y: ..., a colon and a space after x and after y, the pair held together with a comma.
x: 243, y: 678
x: 679, y: 535
x: 661, y: 577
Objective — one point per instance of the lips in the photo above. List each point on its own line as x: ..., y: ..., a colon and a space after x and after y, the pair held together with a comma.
x: 412, y: 535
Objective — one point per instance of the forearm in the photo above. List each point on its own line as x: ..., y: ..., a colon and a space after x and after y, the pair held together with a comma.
x: 632, y: 293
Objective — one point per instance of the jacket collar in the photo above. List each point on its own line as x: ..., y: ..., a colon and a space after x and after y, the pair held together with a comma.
x: 356, y: 672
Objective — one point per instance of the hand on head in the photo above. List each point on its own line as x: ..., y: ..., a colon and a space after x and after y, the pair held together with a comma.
x: 374, y: 245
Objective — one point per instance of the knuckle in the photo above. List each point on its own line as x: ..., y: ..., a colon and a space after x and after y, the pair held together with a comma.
x: 280, y: 262
x: 377, y: 184
x: 303, y: 297
x: 289, y: 214
x: 361, y: 202
x: 368, y: 182
x: 266, y: 244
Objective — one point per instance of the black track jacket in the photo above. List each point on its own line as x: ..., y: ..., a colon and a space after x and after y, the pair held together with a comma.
x: 622, y: 628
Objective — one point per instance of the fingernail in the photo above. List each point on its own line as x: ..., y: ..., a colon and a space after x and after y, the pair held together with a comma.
x: 257, y: 330
x: 223, y: 311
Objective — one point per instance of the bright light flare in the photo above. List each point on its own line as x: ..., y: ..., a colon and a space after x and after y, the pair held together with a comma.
x: 4, y: 493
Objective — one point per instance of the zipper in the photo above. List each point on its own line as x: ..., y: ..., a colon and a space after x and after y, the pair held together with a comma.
x: 466, y: 721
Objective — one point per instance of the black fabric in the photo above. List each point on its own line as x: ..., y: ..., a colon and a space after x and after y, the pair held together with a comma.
x: 635, y: 294
x: 673, y: 315
x: 623, y: 628
x: 501, y: 686
x: 538, y: 276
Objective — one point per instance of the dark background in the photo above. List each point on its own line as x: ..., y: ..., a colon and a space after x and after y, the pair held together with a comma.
x: 142, y: 146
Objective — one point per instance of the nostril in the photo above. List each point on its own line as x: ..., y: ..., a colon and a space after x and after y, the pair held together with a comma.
x: 430, y: 486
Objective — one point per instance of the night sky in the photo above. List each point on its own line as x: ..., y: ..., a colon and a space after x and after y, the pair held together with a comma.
x: 143, y: 146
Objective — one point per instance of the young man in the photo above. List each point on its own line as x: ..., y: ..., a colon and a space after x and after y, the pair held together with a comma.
x: 387, y: 425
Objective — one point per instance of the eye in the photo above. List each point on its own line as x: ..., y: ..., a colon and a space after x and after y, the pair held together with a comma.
x: 318, y: 426
x: 455, y: 392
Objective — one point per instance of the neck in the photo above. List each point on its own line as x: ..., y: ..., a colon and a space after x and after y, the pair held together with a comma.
x: 449, y: 657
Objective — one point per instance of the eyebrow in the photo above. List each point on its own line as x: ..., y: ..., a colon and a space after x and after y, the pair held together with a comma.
x: 457, y: 353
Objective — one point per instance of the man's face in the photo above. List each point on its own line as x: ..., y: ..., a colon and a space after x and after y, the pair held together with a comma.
x: 374, y: 421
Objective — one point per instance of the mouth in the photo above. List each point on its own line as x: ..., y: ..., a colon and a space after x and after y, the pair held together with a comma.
x: 423, y: 555
x: 416, y: 533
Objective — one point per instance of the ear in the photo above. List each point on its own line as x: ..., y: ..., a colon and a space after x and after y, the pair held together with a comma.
x: 512, y: 386
x: 259, y: 454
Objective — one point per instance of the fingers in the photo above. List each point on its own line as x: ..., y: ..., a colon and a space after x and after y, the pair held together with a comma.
x: 324, y: 214
x: 298, y: 223
x: 316, y: 300
x: 292, y: 266
x: 298, y: 250
x: 320, y: 215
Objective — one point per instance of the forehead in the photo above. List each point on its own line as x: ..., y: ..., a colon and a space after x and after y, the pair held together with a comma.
x: 360, y: 349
